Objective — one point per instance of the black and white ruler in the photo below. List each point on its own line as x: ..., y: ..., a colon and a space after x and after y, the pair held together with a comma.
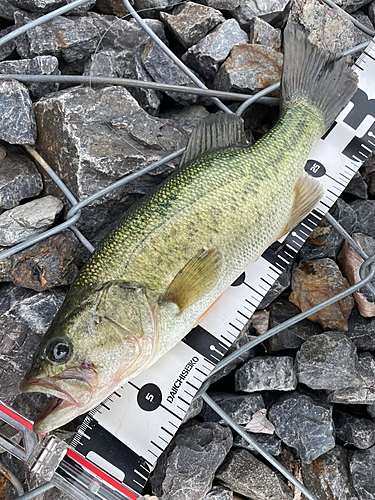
x: 119, y: 442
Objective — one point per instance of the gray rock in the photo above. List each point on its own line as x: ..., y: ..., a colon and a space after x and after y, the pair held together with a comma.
x: 270, y: 11
x: 240, y: 407
x: 219, y: 493
x: 206, y: 56
x: 243, y: 338
x: 350, y: 263
x: 245, y: 474
x: 324, y: 26
x: 365, y: 210
x: 187, y: 467
x: 357, y: 187
x: 352, y: 430
x: 294, y: 336
x: 163, y: 70
x: 325, y: 240
x: 24, y: 317
x: 71, y: 38
x: 371, y: 411
x: 351, y: 5
x: 35, y: 310
x: 194, y: 409
x: 18, y: 121
x: 222, y: 4
x: 270, y: 442
x: 262, y: 33
x: 249, y: 68
x: 7, y: 10
x: 148, y: 99
x: 328, y: 361
x: 188, y: 117
x: 45, y: 6
x: 361, y: 465
x: 371, y: 183
x: 103, y: 63
x: 266, y: 373
x: 26, y: 220
x: 112, y: 31
x: 41, y: 65
x: 19, y: 179
x: 365, y: 20
x: 365, y: 393
x: 6, y: 49
x: 190, y: 22
x: 95, y: 137
x: 371, y: 12
x: 327, y: 477
x: 150, y: 5
x: 281, y: 284
x: 303, y: 424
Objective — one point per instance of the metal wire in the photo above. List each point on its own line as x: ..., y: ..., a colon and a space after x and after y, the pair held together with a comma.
x: 73, y: 216
x: 12, y: 478
x: 127, y: 82
x: 41, y: 20
x: 37, y: 491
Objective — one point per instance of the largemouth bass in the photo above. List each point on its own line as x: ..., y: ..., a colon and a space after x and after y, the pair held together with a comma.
x: 177, y: 250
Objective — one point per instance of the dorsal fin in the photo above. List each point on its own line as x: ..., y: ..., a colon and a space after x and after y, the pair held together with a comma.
x: 213, y: 132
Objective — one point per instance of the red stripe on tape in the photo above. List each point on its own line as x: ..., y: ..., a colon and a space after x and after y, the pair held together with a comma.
x: 16, y: 416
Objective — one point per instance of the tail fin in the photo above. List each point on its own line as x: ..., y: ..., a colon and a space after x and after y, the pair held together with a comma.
x: 318, y: 76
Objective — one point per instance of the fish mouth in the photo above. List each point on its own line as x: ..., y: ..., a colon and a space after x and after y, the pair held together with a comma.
x: 73, y: 391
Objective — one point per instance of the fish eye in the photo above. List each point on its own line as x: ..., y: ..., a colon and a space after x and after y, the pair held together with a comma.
x: 58, y: 351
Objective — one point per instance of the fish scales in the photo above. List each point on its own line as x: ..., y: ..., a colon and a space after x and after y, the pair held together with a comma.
x: 225, y: 200
x: 176, y: 251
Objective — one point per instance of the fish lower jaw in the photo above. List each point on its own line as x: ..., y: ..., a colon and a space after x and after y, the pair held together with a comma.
x: 57, y: 413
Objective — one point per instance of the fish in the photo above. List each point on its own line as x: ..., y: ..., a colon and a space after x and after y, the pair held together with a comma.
x: 175, y: 251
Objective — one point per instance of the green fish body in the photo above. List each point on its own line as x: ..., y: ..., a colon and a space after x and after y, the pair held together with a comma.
x: 177, y: 250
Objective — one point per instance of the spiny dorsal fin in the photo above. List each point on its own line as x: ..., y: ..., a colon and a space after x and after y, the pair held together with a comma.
x: 307, y: 193
x: 212, y: 132
x: 195, y: 279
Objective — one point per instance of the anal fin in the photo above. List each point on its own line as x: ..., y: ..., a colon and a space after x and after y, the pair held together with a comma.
x: 195, y: 279
x: 307, y: 193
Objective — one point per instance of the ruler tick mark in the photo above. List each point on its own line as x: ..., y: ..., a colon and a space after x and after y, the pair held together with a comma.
x: 170, y: 411
x: 191, y: 385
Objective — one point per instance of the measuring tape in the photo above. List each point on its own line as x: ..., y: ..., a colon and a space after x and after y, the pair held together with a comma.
x: 119, y: 441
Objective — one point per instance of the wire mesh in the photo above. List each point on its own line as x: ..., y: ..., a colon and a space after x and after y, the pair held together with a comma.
x: 367, y: 271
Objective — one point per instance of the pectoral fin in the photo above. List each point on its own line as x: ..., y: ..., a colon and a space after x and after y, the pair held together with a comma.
x: 195, y: 279
x: 307, y: 193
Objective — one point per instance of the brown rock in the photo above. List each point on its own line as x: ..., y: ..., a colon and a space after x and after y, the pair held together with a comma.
x: 47, y: 264
x: 350, y: 263
x: 313, y: 282
x: 3, y: 153
x: 114, y: 7
x: 249, y: 68
x: 7, y: 491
